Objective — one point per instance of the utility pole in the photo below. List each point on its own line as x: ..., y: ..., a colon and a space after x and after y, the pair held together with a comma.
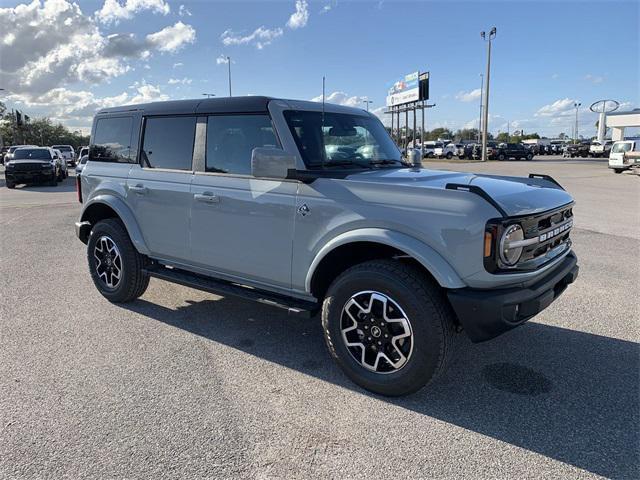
x: 576, y: 105
x: 229, y: 68
x: 481, y: 99
x: 491, y: 36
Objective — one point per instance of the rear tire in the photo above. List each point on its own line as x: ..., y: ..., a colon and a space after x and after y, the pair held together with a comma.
x: 501, y: 157
x: 10, y: 185
x: 449, y: 156
x: 426, y: 344
x: 115, y: 265
x: 618, y: 170
x: 529, y: 156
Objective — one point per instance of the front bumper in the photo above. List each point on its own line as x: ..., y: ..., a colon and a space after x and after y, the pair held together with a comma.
x: 83, y: 229
x: 485, y: 314
x: 29, y: 176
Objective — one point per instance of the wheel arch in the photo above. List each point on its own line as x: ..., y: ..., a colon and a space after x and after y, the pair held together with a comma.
x: 351, y: 248
x: 105, y: 206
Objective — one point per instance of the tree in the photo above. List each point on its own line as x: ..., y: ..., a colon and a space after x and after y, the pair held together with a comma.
x: 466, y: 134
x: 38, y: 131
x: 502, y: 137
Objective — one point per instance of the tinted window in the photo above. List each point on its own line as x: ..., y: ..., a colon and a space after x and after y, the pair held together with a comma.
x: 112, y: 140
x: 62, y: 148
x: 231, y: 138
x: 168, y: 142
x: 341, y: 138
x: 28, y: 153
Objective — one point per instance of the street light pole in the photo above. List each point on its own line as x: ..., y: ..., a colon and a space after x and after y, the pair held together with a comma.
x: 229, y: 68
x: 481, y: 99
x: 367, y: 102
x: 209, y: 95
x: 491, y: 36
x: 576, y: 105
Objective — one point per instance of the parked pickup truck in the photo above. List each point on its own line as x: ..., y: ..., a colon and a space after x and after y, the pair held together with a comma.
x: 311, y: 208
x: 625, y: 155
x: 505, y: 151
x: 600, y: 149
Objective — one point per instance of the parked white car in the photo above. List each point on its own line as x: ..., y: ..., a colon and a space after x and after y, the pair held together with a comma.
x: 68, y: 152
x: 445, y: 151
x: 624, y: 155
x: 59, y: 158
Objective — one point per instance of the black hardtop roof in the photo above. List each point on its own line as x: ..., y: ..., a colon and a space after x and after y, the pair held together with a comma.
x: 248, y: 104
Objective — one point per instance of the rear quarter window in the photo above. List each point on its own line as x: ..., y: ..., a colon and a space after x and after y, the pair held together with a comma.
x: 112, y: 140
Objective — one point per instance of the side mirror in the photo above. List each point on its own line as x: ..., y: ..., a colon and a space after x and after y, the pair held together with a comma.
x: 271, y: 162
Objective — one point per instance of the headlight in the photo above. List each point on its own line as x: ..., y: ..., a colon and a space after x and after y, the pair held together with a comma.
x: 511, y: 254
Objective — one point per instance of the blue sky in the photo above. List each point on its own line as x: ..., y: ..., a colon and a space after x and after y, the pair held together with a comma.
x: 546, y: 55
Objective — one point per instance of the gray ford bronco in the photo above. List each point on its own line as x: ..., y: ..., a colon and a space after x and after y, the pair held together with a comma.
x: 311, y: 208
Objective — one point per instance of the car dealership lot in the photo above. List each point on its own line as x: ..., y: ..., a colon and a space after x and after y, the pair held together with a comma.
x: 185, y: 384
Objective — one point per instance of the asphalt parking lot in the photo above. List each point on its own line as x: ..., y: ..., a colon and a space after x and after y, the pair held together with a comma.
x: 184, y: 384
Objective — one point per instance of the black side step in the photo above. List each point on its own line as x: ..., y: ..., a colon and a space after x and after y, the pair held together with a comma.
x: 222, y: 287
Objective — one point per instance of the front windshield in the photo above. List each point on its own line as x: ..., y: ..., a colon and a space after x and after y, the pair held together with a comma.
x: 341, y: 139
x: 621, y: 147
x: 29, y: 153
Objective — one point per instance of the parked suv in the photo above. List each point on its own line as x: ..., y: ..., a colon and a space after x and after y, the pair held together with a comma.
x: 33, y: 165
x: 311, y: 208
x: 443, y: 150
x: 505, y: 151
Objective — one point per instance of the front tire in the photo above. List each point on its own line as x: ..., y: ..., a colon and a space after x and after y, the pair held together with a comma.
x: 618, y: 170
x: 115, y: 265
x: 388, y: 326
x: 501, y: 157
x: 449, y: 156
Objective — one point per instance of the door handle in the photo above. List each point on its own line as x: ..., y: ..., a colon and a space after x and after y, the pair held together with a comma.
x: 139, y: 189
x: 207, y: 197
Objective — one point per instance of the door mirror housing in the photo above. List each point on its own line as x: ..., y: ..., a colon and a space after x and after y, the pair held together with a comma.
x: 271, y: 162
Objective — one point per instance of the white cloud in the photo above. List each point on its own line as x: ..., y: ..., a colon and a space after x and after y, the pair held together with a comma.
x: 595, y: 79
x: 469, y: 96
x: 178, y: 64
x: 325, y: 9
x: 341, y: 98
x: 113, y: 11
x: 173, y: 38
x: 147, y: 93
x: 222, y: 59
x: 560, y: 107
x: 300, y: 17
x: 260, y: 37
x: 182, y: 81
x: 184, y: 11
x: 54, y: 44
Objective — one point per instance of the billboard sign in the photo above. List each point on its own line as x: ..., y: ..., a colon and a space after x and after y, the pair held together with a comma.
x: 406, y: 90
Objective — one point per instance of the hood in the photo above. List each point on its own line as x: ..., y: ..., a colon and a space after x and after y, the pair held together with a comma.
x: 515, y: 195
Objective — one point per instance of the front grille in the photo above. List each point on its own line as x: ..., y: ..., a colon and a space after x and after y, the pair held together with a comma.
x: 27, y: 167
x: 552, y: 229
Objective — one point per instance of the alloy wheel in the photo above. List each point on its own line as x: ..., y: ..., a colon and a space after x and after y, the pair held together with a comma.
x: 376, y: 331
x: 108, y: 261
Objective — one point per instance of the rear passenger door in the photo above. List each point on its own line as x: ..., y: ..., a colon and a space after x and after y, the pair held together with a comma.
x: 158, y: 188
x: 241, y: 226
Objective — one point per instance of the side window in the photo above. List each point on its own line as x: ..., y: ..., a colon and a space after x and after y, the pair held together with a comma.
x: 112, y: 140
x: 231, y: 138
x: 168, y: 142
